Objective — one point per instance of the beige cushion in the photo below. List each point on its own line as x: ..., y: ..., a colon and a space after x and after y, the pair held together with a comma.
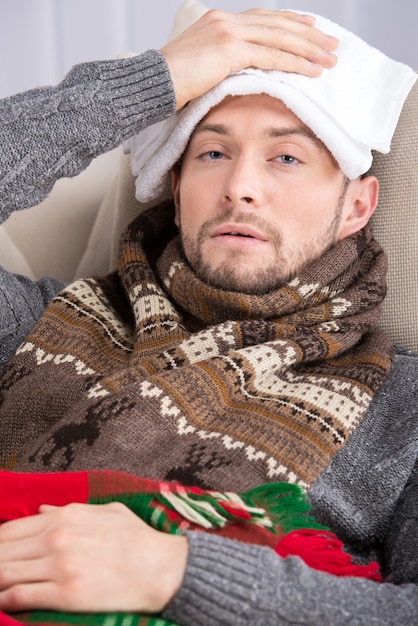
x: 11, y: 256
x: 52, y: 237
x: 117, y: 209
x: 395, y: 225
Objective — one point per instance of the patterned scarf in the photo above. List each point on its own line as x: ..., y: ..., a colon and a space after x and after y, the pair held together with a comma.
x: 274, y: 515
x: 153, y: 372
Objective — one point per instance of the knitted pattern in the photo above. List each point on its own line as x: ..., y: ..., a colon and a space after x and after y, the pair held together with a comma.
x: 155, y: 373
x: 274, y: 515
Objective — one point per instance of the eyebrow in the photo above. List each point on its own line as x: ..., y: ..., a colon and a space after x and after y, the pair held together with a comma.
x: 271, y: 132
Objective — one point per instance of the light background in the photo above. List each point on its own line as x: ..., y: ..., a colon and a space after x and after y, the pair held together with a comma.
x: 41, y: 39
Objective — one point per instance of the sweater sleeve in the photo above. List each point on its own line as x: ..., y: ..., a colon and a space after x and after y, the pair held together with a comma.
x: 22, y: 302
x: 228, y: 582
x: 52, y: 132
x: 401, y: 546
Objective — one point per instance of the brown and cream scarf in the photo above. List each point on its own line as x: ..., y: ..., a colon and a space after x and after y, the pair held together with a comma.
x: 153, y: 372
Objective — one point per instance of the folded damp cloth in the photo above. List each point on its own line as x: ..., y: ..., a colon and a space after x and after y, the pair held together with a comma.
x: 275, y: 515
x: 353, y: 108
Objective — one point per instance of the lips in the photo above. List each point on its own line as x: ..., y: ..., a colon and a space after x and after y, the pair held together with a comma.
x: 238, y: 231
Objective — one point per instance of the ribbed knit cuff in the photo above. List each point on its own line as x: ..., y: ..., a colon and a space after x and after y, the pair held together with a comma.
x: 218, y: 587
x: 140, y: 83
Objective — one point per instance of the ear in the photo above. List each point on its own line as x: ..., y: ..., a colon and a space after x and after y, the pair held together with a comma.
x: 175, y: 188
x: 360, y: 202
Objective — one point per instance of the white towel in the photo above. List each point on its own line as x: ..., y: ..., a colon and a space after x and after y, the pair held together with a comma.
x: 353, y: 108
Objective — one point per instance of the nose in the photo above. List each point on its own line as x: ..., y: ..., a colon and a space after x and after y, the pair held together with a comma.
x: 243, y: 184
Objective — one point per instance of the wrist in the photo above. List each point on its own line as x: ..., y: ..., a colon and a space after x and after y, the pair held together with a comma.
x: 174, y: 551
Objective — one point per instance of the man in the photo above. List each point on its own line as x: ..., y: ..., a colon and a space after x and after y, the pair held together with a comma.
x: 297, y: 381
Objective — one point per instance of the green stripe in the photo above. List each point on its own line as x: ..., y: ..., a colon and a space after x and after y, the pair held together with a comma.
x: 93, y: 619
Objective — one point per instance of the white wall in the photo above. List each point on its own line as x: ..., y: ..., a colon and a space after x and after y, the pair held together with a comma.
x: 41, y: 39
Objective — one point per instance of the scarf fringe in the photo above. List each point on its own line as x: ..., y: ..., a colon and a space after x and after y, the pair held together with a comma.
x: 322, y: 550
x: 280, y: 508
x: 287, y: 506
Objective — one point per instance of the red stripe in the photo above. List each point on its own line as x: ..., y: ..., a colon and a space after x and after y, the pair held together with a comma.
x: 22, y: 494
x: 5, y: 620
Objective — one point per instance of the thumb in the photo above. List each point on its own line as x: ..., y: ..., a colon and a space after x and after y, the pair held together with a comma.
x: 47, y: 508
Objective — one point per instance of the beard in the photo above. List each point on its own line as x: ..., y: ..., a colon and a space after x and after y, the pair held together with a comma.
x: 238, y: 271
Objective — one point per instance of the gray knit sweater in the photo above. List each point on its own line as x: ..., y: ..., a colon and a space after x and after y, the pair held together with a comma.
x: 369, y: 493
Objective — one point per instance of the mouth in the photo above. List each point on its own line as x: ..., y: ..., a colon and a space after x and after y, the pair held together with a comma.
x: 242, y: 232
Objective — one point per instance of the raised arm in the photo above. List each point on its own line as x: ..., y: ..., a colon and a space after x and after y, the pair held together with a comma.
x: 52, y: 132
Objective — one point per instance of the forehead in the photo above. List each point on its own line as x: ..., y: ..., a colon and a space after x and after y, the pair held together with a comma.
x: 255, y: 114
x: 261, y: 103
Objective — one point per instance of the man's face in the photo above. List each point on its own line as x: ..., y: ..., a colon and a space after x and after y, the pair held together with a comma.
x: 258, y: 196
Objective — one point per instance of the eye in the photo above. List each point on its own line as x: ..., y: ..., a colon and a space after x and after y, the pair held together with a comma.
x: 286, y: 159
x: 212, y: 155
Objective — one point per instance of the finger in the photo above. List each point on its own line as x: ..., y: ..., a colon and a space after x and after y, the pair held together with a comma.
x: 291, y: 58
x: 311, y: 44
x: 74, y: 512
x: 23, y: 549
x: 21, y: 528
x: 279, y: 22
x: 37, y: 524
x: 291, y: 15
x: 47, y: 508
x: 25, y: 571
x: 30, y: 596
x: 279, y: 60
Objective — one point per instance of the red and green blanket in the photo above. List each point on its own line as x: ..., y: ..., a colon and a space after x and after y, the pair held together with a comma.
x: 275, y: 515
